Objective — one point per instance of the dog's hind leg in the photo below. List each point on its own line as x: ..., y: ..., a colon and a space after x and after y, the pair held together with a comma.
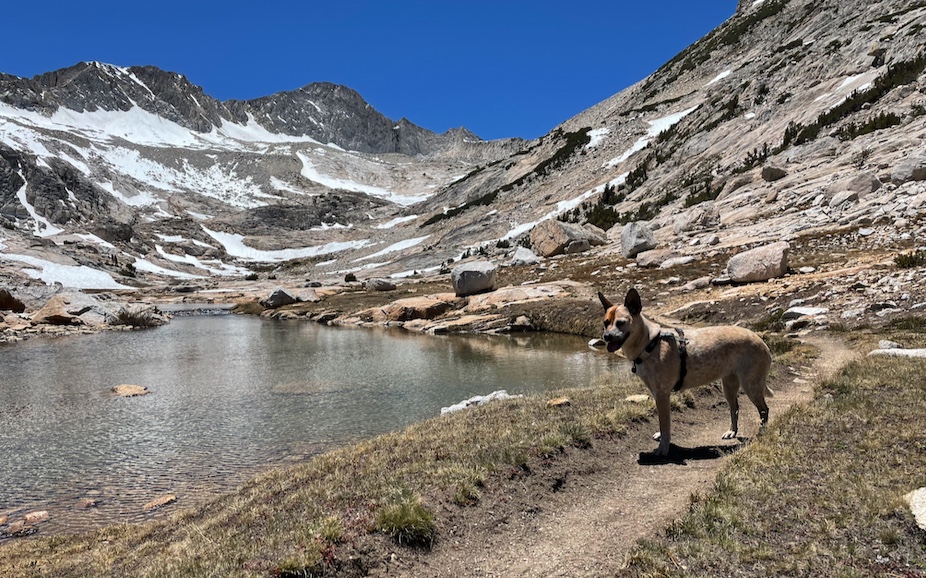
x: 757, y: 396
x: 731, y: 390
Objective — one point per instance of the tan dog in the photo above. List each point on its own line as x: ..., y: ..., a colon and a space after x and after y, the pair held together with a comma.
x: 670, y: 361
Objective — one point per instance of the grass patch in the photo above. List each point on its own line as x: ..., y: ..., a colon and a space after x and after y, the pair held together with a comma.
x: 139, y: 316
x: 819, y: 494
x: 407, y: 520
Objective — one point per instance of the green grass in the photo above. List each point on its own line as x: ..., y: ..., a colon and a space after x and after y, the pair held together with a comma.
x: 819, y: 495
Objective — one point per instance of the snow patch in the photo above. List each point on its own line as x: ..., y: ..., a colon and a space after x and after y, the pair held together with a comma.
x: 73, y: 276
x: 719, y: 77
x: 396, y: 221
x: 596, y: 137
x: 406, y: 244
x: 655, y: 128
x: 310, y: 172
x: 234, y: 246
x: 43, y: 228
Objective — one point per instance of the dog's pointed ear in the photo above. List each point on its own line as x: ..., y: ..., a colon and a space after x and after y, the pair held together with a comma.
x: 633, y: 303
x: 604, y: 301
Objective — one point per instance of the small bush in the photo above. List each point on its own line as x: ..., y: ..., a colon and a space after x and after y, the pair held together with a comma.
x: 909, y: 260
x: 251, y: 277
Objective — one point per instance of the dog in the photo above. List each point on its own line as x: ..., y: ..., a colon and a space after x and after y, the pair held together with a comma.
x: 669, y: 361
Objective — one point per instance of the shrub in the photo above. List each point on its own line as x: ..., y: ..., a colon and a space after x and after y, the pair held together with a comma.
x: 138, y: 316
x: 909, y: 260
x: 882, y: 121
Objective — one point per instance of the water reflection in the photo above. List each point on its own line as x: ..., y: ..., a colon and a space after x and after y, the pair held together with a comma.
x: 231, y: 395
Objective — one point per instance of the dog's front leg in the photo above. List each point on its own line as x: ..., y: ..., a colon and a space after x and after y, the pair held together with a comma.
x: 663, y: 410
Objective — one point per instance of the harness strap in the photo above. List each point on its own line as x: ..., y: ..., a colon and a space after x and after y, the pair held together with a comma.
x: 683, y: 359
x: 682, y: 353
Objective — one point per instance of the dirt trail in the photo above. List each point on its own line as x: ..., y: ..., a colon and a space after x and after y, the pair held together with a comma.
x: 585, y: 528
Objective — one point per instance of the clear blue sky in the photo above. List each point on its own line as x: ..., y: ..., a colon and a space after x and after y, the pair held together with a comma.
x: 501, y: 68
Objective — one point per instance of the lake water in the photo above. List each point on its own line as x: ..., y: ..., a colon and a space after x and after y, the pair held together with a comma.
x: 230, y: 396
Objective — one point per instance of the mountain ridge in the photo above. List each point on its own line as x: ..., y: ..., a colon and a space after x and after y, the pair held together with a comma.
x: 822, y: 92
x: 324, y: 111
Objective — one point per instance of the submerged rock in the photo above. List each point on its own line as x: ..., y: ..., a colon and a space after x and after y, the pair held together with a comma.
x: 159, y: 502
x: 128, y: 390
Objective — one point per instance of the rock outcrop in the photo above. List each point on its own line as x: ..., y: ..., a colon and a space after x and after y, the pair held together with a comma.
x: 75, y: 308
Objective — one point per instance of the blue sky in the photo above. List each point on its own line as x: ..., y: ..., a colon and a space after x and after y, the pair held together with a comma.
x: 501, y: 68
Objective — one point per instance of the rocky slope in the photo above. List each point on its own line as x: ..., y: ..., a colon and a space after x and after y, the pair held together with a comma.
x: 793, y: 119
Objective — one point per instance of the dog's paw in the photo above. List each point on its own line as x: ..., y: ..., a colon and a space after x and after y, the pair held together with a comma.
x: 729, y: 435
x: 657, y: 436
x: 662, y: 451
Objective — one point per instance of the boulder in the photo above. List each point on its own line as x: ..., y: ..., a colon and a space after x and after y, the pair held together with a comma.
x: 771, y: 173
x: 843, y: 197
x: 676, y: 261
x: 75, y: 308
x: 524, y: 256
x: 917, y: 502
x: 861, y: 184
x: 701, y: 216
x: 798, y: 312
x: 655, y: 257
x: 913, y: 169
x: 379, y: 284
x: 636, y: 237
x: 759, y: 264
x: 278, y: 298
x: 472, y: 278
x: 308, y: 296
x: 552, y: 237
x: 695, y: 284
x: 478, y: 400
x: 894, y: 352
x: 8, y: 302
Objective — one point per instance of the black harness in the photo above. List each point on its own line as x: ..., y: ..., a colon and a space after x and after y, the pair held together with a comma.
x: 682, y: 353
